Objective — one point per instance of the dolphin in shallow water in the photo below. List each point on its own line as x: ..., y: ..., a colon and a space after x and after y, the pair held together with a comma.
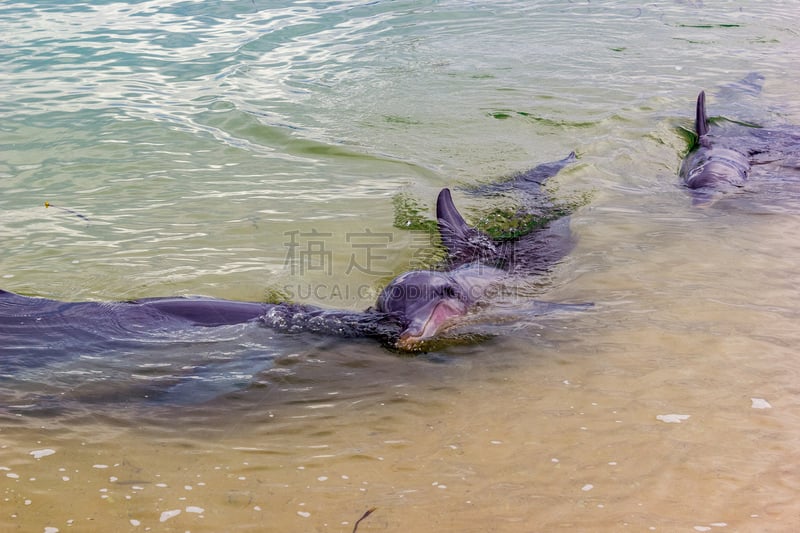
x: 727, y: 154
x: 711, y: 164
x: 477, y: 266
x: 411, y: 309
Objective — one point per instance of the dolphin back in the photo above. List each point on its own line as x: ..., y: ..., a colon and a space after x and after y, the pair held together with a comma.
x: 714, y: 161
x: 465, y: 244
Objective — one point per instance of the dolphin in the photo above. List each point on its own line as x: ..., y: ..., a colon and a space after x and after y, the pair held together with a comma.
x: 413, y: 308
x: 478, y: 267
x: 712, y: 164
x: 728, y: 154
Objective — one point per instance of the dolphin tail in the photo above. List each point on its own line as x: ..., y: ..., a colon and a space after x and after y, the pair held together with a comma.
x: 701, y: 119
x: 527, y: 182
x: 539, y: 174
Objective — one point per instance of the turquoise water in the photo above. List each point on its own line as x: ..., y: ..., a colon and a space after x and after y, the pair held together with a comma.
x: 182, y: 144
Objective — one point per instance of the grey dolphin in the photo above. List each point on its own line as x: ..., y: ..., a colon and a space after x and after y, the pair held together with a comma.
x: 411, y: 309
x: 477, y: 265
x: 728, y: 154
x: 711, y: 164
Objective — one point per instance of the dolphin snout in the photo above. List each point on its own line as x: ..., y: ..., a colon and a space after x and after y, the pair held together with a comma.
x: 429, y: 322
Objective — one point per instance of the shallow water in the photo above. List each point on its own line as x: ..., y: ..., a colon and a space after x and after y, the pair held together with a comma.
x: 196, y: 139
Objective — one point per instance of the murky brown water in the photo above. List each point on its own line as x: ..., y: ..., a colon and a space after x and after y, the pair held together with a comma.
x: 671, y: 406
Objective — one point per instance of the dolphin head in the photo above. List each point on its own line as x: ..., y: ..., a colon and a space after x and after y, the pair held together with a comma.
x: 423, y: 302
x: 714, y: 166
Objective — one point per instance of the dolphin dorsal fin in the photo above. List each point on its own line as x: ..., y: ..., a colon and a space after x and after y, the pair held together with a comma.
x: 452, y: 226
x: 464, y: 244
x: 701, y: 119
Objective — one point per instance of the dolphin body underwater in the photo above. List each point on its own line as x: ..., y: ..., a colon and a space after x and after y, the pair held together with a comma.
x: 413, y: 308
x: 726, y: 154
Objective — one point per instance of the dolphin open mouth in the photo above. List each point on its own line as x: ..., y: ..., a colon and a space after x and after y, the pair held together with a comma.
x: 430, y: 323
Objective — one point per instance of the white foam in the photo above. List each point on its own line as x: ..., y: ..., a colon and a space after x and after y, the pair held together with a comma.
x: 760, y: 403
x: 672, y: 419
x: 38, y: 454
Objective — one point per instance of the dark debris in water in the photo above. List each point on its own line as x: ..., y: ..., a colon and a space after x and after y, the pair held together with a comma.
x: 505, y: 224
x: 363, y: 516
x: 66, y: 210
x: 397, y: 119
x: 410, y: 214
x: 512, y: 222
x: 709, y: 26
x: 503, y: 114
x: 275, y: 295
